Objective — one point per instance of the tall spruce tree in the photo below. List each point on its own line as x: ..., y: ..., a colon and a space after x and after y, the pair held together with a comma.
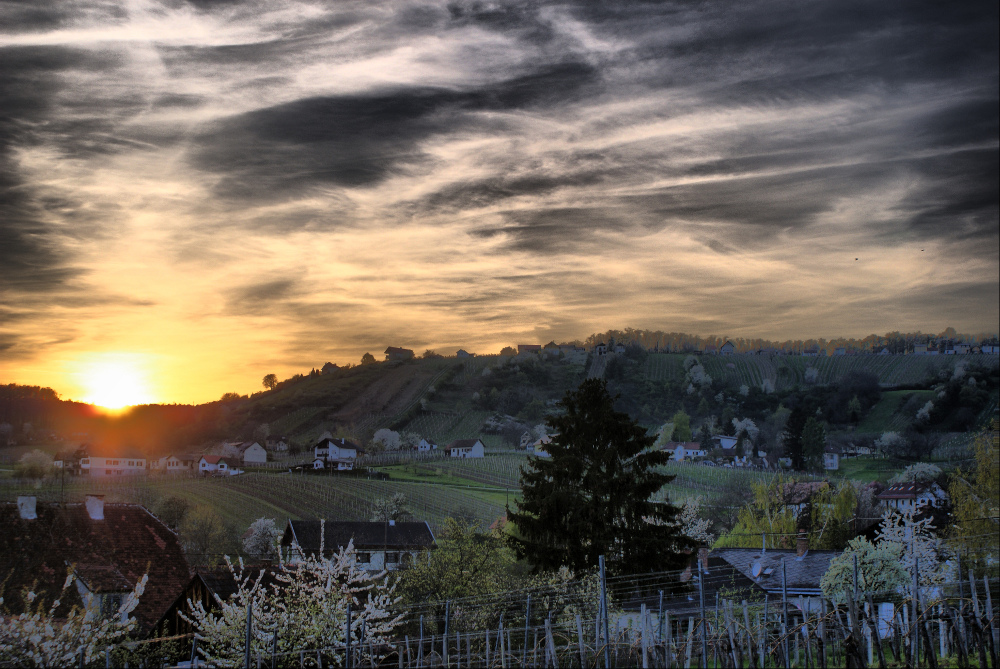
x: 792, y: 437
x: 592, y: 496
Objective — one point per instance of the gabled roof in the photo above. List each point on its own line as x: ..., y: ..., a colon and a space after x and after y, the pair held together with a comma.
x: 461, y: 443
x: 396, y: 349
x: 339, y: 443
x: 213, y: 459
x: 802, y: 572
x: 242, y: 448
x: 110, y: 554
x: 366, y: 535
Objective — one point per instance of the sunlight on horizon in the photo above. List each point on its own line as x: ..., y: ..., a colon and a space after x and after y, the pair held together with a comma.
x: 115, y: 380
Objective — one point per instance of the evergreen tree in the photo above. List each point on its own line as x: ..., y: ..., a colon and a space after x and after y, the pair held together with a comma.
x: 792, y: 437
x: 592, y: 496
x: 813, y: 442
x: 706, y: 439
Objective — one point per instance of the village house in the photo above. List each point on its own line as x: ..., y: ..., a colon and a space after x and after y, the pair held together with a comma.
x: 215, y: 465
x: 684, y: 450
x: 69, y: 461
x: 109, y: 462
x: 990, y: 349
x: 725, y: 442
x: 465, y: 448
x: 462, y: 353
x: 912, y: 497
x: 426, y: 445
x: 378, y: 545
x: 831, y: 458
x: 108, y: 546
x: 276, y: 444
x: 528, y: 348
x: 174, y: 463
x: 601, y: 349
x: 329, y: 368
x: 711, y: 349
x: 339, y: 454
x: 396, y: 353
x: 729, y: 348
x: 840, y: 350
x: 251, y: 453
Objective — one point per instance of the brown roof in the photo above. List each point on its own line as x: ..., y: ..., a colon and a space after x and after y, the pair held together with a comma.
x: 213, y: 459
x: 110, y: 555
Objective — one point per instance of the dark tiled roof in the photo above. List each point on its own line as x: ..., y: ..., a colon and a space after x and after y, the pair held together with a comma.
x: 366, y: 535
x: 397, y: 350
x: 110, y: 553
x: 802, y: 573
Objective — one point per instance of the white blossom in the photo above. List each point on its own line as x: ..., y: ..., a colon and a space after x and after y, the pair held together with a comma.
x: 39, y: 639
x: 305, y: 603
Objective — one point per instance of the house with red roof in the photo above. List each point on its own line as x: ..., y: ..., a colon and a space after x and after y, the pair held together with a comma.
x: 215, y: 465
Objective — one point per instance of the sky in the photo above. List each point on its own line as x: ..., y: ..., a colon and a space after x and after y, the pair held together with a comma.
x: 197, y: 193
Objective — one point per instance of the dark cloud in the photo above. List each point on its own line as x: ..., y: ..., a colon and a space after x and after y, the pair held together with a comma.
x: 360, y: 140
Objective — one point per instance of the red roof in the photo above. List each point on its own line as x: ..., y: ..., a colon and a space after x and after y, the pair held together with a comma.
x: 213, y: 459
x: 110, y: 555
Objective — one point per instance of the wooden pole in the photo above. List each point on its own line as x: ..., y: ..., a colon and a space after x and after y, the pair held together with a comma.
x: 579, y: 642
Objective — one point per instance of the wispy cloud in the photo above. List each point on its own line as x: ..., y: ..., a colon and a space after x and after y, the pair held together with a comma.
x: 283, y: 184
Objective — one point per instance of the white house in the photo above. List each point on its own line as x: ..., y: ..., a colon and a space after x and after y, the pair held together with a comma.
x: 340, y: 464
x: 111, y: 464
x: 465, y: 448
x: 277, y: 444
x: 728, y: 348
x: 912, y: 497
x: 215, y: 465
x: 991, y: 349
x: 336, y: 449
x: 601, y: 349
x: 378, y: 545
x: 426, y: 445
x: 252, y: 453
x: 683, y: 450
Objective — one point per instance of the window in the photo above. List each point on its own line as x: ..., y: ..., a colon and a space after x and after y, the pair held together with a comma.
x: 392, y: 557
x: 364, y: 557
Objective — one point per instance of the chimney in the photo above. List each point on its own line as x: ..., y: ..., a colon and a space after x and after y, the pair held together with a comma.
x: 703, y: 558
x: 26, y: 507
x: 802, y: 544
x: 95, y: 507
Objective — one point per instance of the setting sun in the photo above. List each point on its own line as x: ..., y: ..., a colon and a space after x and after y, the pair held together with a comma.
x: 114, y: 381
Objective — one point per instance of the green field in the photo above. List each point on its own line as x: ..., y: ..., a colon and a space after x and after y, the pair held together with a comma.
x: 886, y: 416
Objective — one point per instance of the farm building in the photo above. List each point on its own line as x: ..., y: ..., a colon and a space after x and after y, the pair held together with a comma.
x: 379, y: 545
x: 426, y: 445
x: 465, y: 448
x: 728, y: 348
x: 109, y: 546
x: 799, y: 570
x: 462, y: 353
x: 175, y: 463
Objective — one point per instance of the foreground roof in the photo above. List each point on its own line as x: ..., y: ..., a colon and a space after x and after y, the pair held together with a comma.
x: 802, y: 572
x: 110, y: 555
x: 414, y: 535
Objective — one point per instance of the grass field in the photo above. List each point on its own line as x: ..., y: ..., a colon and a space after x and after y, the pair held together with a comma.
x: 886, y: 416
